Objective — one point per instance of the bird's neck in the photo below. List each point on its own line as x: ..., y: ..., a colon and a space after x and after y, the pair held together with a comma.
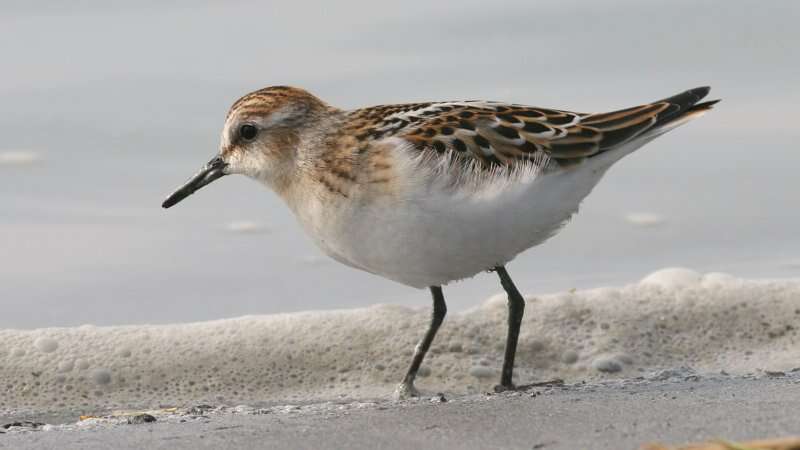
x: 313, y: 179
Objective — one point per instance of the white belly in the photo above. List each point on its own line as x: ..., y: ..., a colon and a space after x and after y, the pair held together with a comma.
x: 430, y: 236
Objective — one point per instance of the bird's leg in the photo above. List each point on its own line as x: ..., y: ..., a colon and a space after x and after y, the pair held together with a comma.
x: 516, y: 308
x: 406, y: 388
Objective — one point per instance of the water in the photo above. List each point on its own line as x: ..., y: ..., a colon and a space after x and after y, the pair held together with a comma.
x: 122, y: 102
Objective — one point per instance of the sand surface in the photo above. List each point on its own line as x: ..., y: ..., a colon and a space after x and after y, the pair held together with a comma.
x: 669, y: 407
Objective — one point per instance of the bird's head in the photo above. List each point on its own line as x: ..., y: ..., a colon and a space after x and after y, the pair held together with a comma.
x: 260, y: 139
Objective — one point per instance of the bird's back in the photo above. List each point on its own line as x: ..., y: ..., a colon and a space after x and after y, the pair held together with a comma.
x: 494, y: 134
x: 466, y: 186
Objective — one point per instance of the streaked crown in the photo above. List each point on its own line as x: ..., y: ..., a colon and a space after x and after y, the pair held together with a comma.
x: 264, y: 128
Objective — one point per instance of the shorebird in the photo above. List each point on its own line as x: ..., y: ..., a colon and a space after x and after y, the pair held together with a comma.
x: 429, y: 193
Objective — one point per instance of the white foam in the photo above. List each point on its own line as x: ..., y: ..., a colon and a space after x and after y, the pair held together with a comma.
x: 45, y: 345
x: 101, y: 376
x: 246, y: 226
x: 672, y: 318
x: 607, y: 364
x: 482, y: 372
x: 19, y: 158
x: 645, y: 219
x: 673, y: 278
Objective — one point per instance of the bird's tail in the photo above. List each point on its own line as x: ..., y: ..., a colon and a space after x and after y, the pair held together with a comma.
x: 650, y: 118
x: 682, y: 108
x: 630, y: 128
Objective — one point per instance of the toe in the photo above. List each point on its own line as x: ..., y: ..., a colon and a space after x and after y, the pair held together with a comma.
x: 405, y: 391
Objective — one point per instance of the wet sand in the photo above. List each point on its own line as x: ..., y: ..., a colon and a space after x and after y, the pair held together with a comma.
x: 671, y: 407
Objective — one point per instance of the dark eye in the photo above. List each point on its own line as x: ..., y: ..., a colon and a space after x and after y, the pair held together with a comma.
x: 248, y: 132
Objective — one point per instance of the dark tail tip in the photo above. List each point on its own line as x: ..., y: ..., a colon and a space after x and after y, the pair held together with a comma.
x: 705, y: 105
x: 687, y: 99
x: 701, y: 91
x: 683, y: 103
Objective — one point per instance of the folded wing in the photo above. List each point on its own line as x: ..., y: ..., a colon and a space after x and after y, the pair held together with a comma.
x: 494, y: 133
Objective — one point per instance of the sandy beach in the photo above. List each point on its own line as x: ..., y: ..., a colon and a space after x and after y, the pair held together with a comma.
x: 677, y: 357
x: 669, y: 407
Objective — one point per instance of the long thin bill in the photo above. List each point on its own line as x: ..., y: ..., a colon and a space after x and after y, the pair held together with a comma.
x: 211, y: 171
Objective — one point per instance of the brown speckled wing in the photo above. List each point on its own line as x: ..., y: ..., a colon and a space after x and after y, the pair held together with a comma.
x: 496, y: 133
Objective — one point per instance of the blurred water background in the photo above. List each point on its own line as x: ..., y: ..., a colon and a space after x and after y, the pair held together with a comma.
x: 106, y: 106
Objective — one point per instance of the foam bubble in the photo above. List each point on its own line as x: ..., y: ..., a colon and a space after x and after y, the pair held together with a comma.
x: 101, y: 376
x: 607, y: 364
x: 674, y: 317
x: 644, y: 219
x: 66, y: 365
x: 481, y: 372
x: 569, y: 357
x: 45, y: 344
x: 19, y: 158
x: 673, y: 277
x: 718, y: 279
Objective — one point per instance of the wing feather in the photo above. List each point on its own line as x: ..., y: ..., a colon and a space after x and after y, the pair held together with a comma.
x: 494, y: 133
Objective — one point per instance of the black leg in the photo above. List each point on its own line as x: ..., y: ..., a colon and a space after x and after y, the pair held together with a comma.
x: 516, y: 308
x: 406, y: 388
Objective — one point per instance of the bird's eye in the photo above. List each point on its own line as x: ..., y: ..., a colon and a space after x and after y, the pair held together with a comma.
x: 248, y: 132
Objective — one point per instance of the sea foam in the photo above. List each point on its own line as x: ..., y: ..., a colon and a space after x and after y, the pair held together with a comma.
x: 19, y: 158
x: 672, y: 318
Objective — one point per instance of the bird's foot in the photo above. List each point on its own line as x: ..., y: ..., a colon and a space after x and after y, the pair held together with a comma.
x: 504, y: 388
x: 405, y: 391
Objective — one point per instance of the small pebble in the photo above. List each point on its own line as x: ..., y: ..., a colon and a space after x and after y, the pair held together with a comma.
x: 439, y: 398
x: 141, y: 418
x: 200, y: 410
x: 23, y: 424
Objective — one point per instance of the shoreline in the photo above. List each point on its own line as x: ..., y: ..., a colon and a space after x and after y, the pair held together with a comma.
x: 671, y: 318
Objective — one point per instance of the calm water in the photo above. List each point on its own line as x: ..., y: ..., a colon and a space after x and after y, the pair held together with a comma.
x: 122, y: 102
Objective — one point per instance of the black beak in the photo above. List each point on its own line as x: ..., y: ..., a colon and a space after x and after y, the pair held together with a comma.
x: 211, y: 171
